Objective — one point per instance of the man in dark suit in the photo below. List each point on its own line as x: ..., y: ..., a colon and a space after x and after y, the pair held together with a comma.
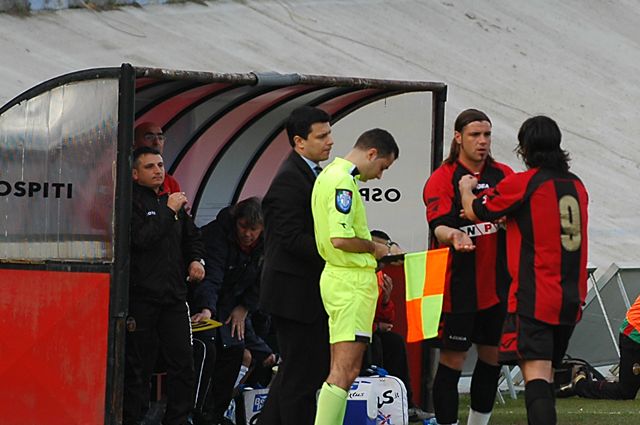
x: 290, y: 289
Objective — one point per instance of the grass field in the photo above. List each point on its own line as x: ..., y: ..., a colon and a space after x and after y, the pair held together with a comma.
x: 571, y: 411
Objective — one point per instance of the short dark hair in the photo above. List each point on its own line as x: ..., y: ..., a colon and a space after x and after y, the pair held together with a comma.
x: 379, y: 139
x: 464, y: 118
x: 249, y: 209
x: 539, y: 140
x: 301, y: 119
x: 380, y: 235
x: 143, y: 150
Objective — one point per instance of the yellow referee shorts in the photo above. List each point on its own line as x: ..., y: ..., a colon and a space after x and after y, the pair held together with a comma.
x: 349, y: 297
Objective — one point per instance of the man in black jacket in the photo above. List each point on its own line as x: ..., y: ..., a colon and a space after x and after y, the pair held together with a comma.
x: 234, y: 253
x: 166, y: 256
x: 290, y: 289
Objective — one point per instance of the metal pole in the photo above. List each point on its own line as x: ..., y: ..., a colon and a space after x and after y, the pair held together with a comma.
x: 437, y: 132
x: 509, y: 379
x: 120, y: 275
x: 623, y: 290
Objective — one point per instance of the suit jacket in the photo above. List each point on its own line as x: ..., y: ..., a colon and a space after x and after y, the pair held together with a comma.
x: 292, y: 266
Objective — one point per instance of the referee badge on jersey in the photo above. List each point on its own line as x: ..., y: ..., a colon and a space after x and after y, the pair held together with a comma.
x: 344, y: 198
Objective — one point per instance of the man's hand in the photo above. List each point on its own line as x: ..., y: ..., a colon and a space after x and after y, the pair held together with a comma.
x: 176, y: 201
x: 455, y: 238
x: 380, y: 250
x: 460, y: 241
x: 384, y: 327
x: 270, y: 360
x: 387, y: 286
x: 203, y: 315
x: 196, y: 271
x: 394, y: 249
x: 467, y: 183
x: 237, y: 318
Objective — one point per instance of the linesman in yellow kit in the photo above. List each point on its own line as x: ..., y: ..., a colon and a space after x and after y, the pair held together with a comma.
x: 348, y: 284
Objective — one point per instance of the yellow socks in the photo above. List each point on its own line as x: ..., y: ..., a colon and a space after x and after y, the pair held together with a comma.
x: 332, y: 404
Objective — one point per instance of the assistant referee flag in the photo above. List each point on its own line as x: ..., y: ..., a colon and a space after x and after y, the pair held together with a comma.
x: 424, y: 276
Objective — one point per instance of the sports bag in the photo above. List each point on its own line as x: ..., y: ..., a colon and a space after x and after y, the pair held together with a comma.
x: 563, y: 376
x: 377, y: 400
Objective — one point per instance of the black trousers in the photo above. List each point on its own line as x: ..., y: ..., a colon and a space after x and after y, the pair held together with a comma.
x: 304, y: 349
x: 204, y: 356
x: 389, y: 350
x: 152, y: 328
x: 629, y: 382
x: 217, y: 368
x: 259, y: 375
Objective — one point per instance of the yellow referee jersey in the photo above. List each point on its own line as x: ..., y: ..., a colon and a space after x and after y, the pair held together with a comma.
x: 338, y: 212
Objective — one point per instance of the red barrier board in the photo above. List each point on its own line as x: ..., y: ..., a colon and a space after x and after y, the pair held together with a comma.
x: 53, y: 347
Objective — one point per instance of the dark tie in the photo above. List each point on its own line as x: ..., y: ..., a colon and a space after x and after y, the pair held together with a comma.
x: 317, y: 169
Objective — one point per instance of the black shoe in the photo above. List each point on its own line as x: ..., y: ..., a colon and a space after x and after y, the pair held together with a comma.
x: 203, y: 418
x: 580, y: 375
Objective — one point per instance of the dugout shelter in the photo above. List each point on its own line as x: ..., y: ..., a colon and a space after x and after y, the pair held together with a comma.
x: 65, y: 201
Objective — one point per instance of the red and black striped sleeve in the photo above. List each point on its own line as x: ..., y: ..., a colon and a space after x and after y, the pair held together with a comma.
x: 438, y: 196
x: 503, y: 199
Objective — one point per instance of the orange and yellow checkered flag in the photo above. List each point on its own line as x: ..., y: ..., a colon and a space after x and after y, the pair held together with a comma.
x: 425, y: 274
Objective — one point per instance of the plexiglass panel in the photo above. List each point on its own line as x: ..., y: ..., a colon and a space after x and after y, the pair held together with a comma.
x: 57, y: 174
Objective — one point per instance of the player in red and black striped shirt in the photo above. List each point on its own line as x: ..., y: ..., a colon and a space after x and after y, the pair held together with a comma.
x: 546, y: 210
x: 477, y: 279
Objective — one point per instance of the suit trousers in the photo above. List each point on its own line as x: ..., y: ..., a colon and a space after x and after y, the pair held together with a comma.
x: 304, y: 348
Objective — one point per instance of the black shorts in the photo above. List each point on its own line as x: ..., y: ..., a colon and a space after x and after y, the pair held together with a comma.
x: 457, y: 331
x: 524, y: 338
